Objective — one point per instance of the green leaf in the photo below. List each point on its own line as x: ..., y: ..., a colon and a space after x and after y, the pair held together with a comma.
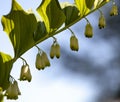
x: 6, y: 63
x: 20, y: 27
x: 40, y: 31
x: 89, y: 3
x: 99, y: 3
x: 52, y: 14
x: 81, y: 5
x: 71, y: 12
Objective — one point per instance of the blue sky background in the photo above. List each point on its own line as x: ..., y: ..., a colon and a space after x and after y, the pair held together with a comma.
x: 54, y: 84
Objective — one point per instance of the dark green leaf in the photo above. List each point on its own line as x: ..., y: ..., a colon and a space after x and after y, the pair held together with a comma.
x: 5, y: 68
x: 40, y: 31
x: 89, y: 3
x: 71, y: 12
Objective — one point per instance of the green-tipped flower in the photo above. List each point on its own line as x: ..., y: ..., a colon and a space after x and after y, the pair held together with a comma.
x: 114, y: 10
x: 52, y: 51
x: 42, y: 60
x: 13, y: 91
x: 74, y: 45
x: 25, y: 73
x: 45, y: 59
x: 88, y: 30
x: 16, y: 85
x: 102, y: 22
x: 1, y: 94
x: 39, y: 62
x: 57, y: 50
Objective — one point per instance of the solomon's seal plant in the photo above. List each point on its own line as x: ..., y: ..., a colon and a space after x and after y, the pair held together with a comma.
x: 20, y: 25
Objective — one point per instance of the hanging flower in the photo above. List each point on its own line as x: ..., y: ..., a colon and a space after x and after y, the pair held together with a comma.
x: 45, y: 59
x: 16, y: 85
x: 13, y: 91
x: 57, y: 50
x: 42, y: 60
x: 52, y: 51
x: 25, y: 73
x: 39, y: 62
x: 102, y: 22
x: 114, y: 10
x: 88, y: 30
x: 74, y: 45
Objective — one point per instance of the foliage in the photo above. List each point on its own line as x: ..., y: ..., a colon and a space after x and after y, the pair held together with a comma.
x: 25, y: 32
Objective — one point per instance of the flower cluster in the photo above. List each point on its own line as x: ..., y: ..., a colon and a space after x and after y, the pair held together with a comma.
x: 55, y: 49
x: 89, y: 29
x: 13, y: 90
x: 42, y: 60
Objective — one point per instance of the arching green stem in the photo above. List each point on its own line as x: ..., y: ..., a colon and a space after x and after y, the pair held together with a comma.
x: 71, y: 31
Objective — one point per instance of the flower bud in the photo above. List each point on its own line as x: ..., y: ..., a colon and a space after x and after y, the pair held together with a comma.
x: 102, y: 22
x: 114, y: 10
x: 45, y: 59
x: 52, y: 51
x: 74, y: 43
x: 57, y: 50
x: 88, y: 30
x: 39, y: 62
x: 25, y: 73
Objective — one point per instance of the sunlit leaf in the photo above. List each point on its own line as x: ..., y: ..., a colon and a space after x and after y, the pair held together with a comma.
x: 20, y: 27
x: 81, y: 5
x: 52, y: 14
x: 71, y: 12
x: 5, y: 68
x: 99, y: 3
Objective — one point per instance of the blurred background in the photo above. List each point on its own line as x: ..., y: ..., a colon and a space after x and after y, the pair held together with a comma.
x: 90, y: 75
